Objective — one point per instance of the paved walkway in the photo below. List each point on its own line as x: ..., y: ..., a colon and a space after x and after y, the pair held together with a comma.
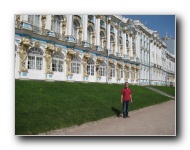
x: 154, y: 120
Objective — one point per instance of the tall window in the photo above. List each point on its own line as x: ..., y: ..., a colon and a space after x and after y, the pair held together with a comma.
x: 102, y: 71
x: 56, y: 24
x: 111, y: 43
x: 102, y: 24
x: 89, y: 34
x: 57, y: 63
x: 121, y: 72
x: 90, y: 18
x: 34, y: 20
x: 126, y: 37
x: 76, y: 26
x: 75, y: 65
x: 90, y: 67
x: 112, y: 71
x: 101, y: 39
x: 127, y: 72
x: 112, y: 29
x: 35, y: 57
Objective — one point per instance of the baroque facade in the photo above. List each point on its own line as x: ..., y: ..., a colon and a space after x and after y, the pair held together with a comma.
x: 90, y: 48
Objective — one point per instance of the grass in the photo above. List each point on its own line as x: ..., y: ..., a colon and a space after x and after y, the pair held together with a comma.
x: 43, y: 106
x: 167, y: 89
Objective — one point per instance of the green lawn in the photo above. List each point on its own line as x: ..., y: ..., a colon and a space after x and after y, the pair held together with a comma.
x: 43, y: 106
x: 167, y: 89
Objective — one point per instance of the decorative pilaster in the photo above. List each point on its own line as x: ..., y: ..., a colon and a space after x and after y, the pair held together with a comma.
x: 98, y: 61
x: 116, y: 43
x: 108, y: 35
x: 118, y: 66
x: 124, y: 42
x: 85, y: 26
x: 97, y: 30
x: 48, y: 58
x: 70, y: 52
x: 17, y: 23
x: 80, y: 36
x: 85, y: 59
x: 52, y: 19
x: 23, y: 48
x: 63, y: 30
x: 69, y: 37
x: 43, y: 19
x: 110, y: 63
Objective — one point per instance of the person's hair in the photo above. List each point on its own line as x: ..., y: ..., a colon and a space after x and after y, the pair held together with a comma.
x: 126, y: 83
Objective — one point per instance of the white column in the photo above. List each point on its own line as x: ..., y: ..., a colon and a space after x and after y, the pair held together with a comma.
x: 124, y: 43
x: 85, y: 25
x: 97, y: 30
x: 108, y: 35
x: 137, y: 42
x: 69, y: 24
x: 130, y: 44
x: 48, y: 22
x: 116, y: 39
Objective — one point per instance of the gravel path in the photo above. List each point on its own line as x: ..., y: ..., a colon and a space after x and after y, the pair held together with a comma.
x: 155, y: 120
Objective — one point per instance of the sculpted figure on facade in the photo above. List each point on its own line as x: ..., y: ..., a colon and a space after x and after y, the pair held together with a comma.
x: 110, y: 63
x: 43, y: 24
x: 85, y: 59
x: 17, y: 21
x: 98, y: 61
x: 23, y: 48
x: 118, y: 67
x: 68, y: 65
x: 48, y: 58
x: 63, y: 30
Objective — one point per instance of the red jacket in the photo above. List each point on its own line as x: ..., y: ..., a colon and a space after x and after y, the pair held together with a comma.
x: 126, y: 92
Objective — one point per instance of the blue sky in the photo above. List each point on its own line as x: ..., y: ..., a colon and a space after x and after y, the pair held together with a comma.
x: 160, y: 23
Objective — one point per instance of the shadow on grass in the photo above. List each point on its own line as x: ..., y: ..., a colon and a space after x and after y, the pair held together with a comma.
x: 116, y: 111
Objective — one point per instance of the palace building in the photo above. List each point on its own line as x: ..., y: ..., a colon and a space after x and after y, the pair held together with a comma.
x: 90, y: 48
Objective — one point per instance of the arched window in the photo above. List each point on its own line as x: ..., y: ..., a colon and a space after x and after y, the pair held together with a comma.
x: 112, y: 29
x: 126, y: 37
x: 35, y: 57
x: 112, y: 70
x: 76, y: 64
x: 34, y: 20
x: 111, y: 42
x: 102, y: 71
x: 90, y: 67
x: 90, y: 18
x: 57, y: 62
x: 76, y: 26
x: 121, y: 72
x: 89, y: 34
x: 127, y: 72
x: 101, y: 39
x: 56, y: 24
x: 102, y: 24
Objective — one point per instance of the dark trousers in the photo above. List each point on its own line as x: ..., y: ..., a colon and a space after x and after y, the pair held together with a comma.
x: 126, y: 108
